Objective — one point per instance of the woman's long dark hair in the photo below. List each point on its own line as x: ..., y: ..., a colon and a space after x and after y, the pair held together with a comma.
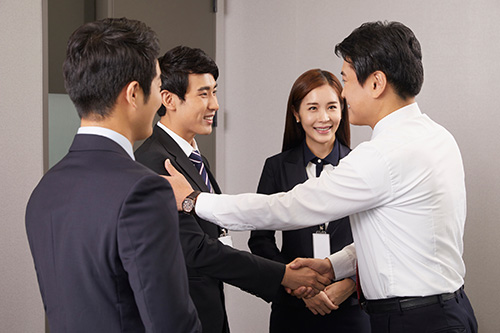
x: 294, y: 133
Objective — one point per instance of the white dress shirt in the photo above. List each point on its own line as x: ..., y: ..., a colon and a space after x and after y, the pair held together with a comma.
x: 110, y: 134
x: 405, y: 193
x: 185, y: 146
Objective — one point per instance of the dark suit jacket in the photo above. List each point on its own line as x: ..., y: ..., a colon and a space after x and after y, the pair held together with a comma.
x: 209, y: 261
x: 103, y: 231
x: 280, y: 174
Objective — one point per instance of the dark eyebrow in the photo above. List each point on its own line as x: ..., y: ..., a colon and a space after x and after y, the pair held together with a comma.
x: 206, y: 88
x: 315, y: 103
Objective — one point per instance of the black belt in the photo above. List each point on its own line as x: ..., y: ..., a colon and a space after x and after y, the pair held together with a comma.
x: 406, y: 303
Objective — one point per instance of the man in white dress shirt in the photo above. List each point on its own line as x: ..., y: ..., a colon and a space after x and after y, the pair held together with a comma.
x: 404, y: 191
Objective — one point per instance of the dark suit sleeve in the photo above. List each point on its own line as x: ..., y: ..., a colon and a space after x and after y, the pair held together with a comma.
x: 263, y: 242
x: 208, y: 256
x: 149, y: 247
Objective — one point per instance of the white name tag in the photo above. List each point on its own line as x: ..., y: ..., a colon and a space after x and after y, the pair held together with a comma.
x: 321, y: 245
x: 226, y: 240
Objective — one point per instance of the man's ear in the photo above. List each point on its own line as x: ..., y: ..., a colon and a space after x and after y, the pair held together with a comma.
x: 168, y: 100
x: 378, y: 82
x: 131, y: 91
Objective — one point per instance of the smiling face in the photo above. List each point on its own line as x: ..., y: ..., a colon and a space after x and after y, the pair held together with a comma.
x: 320, y: 114
x: 195, y: 115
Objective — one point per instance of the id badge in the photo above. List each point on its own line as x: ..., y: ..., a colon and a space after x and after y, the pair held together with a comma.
x: 226, y: 240
x: 321, y: 245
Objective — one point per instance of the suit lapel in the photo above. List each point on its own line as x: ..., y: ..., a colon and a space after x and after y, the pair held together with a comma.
x: 180, y: 161
x: 295, y: 172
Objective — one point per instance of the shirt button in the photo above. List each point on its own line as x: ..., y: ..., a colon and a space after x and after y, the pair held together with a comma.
x: 319, y: 160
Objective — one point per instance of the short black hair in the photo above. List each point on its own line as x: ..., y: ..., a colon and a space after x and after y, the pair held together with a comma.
x: 177, y: 64
x: 390, y: 47
x: 102, y: 57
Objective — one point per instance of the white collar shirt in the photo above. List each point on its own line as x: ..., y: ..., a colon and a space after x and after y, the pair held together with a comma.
x: 110, y: 134
x: 185, y: 146
x: 405, y: 193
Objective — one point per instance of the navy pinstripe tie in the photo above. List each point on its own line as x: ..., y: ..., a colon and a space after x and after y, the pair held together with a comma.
x: 195, y: 157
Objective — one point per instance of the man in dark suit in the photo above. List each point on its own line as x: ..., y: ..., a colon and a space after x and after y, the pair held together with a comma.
x: 103, y: 229
x: 189, y: 105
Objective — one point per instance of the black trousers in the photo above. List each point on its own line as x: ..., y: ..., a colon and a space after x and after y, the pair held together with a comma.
x: 453, y: 316
x: 294, y: 319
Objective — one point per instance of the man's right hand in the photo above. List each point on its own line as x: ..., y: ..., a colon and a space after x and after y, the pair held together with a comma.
x: 179, y: 184
x: 322, y: 266
x: 305, y: 280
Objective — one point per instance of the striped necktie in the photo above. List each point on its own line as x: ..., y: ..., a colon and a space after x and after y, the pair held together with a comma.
x: 195, y: 157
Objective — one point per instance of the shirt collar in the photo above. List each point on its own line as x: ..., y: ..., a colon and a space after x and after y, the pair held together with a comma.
x: 406, y: 112
x: 185, y: 146
x: 332, y: 158
x: 110, y: 134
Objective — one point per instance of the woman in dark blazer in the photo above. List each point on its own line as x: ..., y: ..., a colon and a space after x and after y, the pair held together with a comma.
x: 316, y: 137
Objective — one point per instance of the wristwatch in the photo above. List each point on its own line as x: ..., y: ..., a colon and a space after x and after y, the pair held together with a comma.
x: 189, y: 202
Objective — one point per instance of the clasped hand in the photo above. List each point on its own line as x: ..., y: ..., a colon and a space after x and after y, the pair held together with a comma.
x: 331, y: 297
x: 305, y: 278
x: 320, y: 296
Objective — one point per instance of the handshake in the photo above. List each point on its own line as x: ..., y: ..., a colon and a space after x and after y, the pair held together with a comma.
x: 311, y: 280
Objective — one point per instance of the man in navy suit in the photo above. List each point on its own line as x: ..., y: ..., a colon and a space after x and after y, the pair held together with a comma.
x: 103, y: 229
x: 189, y: 105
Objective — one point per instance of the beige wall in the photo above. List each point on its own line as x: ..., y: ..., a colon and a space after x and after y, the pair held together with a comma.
x: 21, y: 148
x: 267, y: 44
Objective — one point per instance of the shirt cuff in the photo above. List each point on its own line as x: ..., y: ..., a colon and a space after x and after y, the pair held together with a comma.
x: 216, y: 208
x: 344, y: 262
x: 203, y: 204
